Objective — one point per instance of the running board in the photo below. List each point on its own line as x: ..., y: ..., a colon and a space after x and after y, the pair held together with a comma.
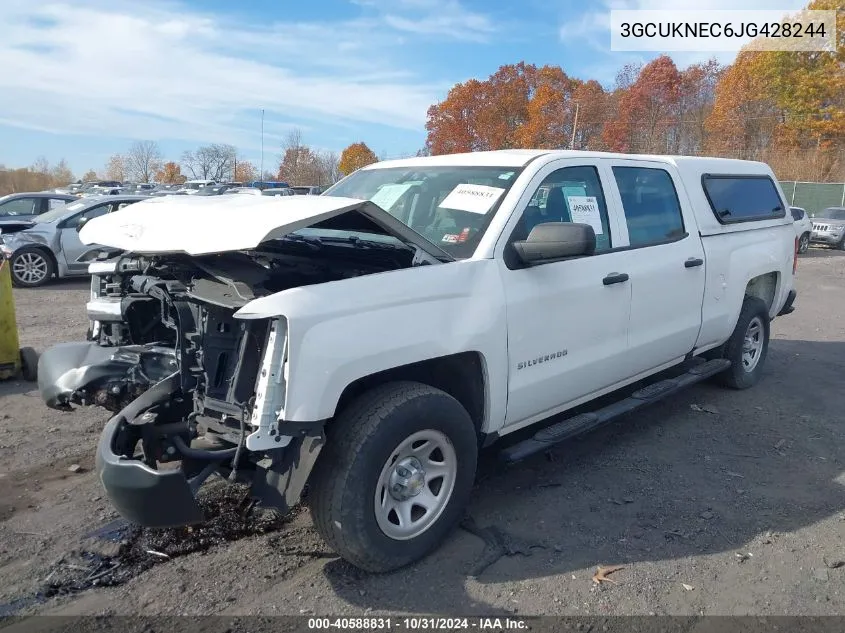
x: 547, y: 437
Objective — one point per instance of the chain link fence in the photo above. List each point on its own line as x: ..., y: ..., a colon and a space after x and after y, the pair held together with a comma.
x: 814, y: 196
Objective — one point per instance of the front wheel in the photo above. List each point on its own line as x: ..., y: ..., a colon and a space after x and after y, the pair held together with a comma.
x: 748, y: 346
x: 395, y: 476
x: 31, y: 267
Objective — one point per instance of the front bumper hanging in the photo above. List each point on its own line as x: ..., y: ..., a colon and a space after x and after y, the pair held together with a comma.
x: 148, y: 497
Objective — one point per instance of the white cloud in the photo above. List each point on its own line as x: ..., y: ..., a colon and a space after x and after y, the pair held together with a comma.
x: 162, y: 71
x: 447, y: 19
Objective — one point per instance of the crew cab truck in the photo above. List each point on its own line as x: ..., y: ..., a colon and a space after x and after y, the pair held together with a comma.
x: 369, y: 341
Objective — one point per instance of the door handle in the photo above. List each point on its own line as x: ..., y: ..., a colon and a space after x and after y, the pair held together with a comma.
x: 692, y: 262
x: 615, y: 278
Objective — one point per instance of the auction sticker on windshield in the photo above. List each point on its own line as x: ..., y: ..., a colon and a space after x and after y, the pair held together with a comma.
x: 472, y: 198
x: 585, y: 210
x: 387, y: 195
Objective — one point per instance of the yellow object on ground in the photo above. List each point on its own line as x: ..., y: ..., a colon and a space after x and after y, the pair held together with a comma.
x: 14, y: 361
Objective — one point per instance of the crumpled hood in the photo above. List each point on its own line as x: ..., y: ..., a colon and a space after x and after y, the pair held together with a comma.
x: 199, y: 225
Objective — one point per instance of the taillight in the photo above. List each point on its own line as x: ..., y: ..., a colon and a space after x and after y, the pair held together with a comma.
x: 795, y: 257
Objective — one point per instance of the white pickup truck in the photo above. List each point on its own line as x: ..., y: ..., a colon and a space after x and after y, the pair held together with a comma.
x: 368, y: 342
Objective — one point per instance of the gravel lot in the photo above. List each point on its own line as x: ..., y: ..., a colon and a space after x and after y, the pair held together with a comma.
x: 714, y: 502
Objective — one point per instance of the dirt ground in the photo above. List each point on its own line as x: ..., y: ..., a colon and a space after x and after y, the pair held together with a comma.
x: 713, y: 502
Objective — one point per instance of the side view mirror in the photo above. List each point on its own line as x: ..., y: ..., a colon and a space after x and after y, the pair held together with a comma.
x: 80, y: 223
x: 553, y: 241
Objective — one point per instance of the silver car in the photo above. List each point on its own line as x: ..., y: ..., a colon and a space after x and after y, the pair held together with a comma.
x: 829, y: 228
x: 26, y: 206
x: 49, y: 244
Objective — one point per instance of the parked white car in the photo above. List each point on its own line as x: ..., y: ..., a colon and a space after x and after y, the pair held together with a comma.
x: 369, y: 341
x: 192, y: 186
x: 250, y: 191
x: 803, y: 228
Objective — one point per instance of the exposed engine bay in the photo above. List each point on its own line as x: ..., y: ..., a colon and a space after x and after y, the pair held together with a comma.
x: 189, y: 383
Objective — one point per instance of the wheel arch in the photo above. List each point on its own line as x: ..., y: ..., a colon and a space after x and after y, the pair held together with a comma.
x: 461, y: 375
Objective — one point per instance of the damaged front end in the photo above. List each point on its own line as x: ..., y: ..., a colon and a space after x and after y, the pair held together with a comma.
x: 194, y: 390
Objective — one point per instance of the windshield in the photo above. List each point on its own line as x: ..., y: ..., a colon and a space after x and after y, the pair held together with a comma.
x: 833, y: 214
x: 192, y: 185
x: 58, y: 212
x: 450, y: 206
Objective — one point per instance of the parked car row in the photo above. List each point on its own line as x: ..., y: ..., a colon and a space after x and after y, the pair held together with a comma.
x: 48, y: 244
x: 38, y: 230
x: 189, y: 187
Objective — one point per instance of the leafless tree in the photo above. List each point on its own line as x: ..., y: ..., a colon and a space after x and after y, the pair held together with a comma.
x: 41, y: 165
x: 61, y: 173
x: 211, y: 162
x: 143, y: 160
x: 329, y: 168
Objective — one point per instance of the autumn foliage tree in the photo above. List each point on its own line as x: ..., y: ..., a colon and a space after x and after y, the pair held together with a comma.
x: 246, y: 172
x: 787, y: 108
x: 356, y: 156
x: 170, y: 174
x: 116, y: 167
x: 647, y: 110
x: 302, y: 165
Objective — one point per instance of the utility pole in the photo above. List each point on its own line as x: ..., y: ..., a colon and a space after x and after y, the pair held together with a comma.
x: 574, y: 126
x: 261, y: 175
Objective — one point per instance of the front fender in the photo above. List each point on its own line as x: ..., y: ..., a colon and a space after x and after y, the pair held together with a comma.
x: 345, y: 330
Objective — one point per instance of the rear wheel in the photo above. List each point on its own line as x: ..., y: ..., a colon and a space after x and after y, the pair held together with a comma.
x: 841, y: 245
x: 748, y: 346
x: 29, y: 364
x: 395, y: 475
x: 31, y: 267
x: 804, y: 243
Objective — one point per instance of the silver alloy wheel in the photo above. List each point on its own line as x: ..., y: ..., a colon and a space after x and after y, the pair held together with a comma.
x: 30, y: 267
x: 415, y: 484
x: 752, y: 345
x: 804, y: 244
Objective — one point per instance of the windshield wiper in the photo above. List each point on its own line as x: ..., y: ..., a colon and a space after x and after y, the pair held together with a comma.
x: 357, y: 242
x: 313, y: 242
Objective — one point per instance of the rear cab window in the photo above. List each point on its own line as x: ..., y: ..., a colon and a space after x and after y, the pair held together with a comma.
x: 742, y: 198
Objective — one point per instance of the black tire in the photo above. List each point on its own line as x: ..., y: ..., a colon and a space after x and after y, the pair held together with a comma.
x: 342, y: 490
x: 31, y: 254
x: 803, y: 243
x: 739, y: 376
x: 29, y: 364
x: 841, y: 245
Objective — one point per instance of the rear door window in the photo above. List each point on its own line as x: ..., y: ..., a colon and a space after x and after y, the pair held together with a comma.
x: 743, y: 198
x: 651, y: 206
x: 20, y: 206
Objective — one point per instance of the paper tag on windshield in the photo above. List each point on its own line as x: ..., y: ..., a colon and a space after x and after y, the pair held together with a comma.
x: 387, y: 196
x: 585, y: 210
x: 472, y: 198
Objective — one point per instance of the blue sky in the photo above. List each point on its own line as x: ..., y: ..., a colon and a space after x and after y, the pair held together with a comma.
x: 83, y: 79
